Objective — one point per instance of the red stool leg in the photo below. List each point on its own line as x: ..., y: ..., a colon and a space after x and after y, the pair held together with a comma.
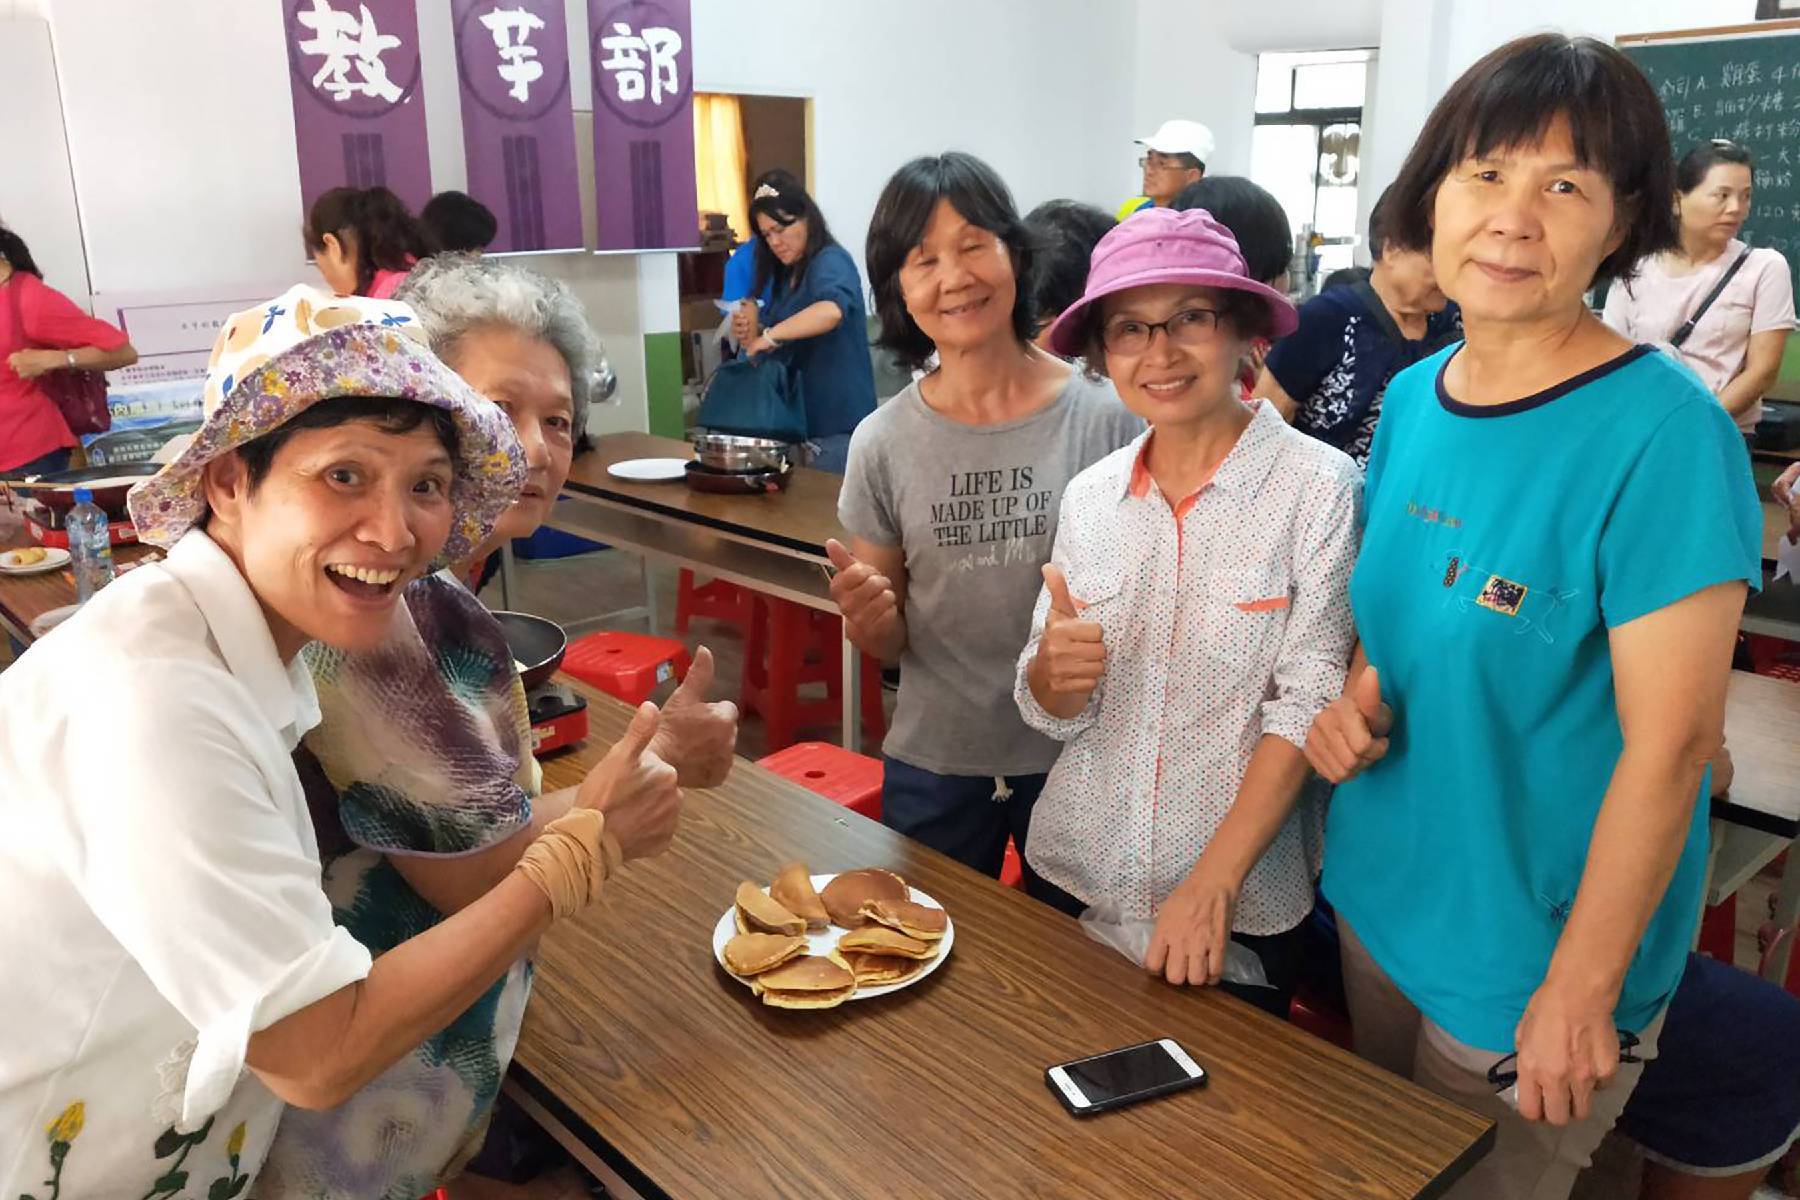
x: 684, y: 600
x: 787, y: 649
x: 1012, y: 867
x: 874, y: 717
x: 1718, y: 930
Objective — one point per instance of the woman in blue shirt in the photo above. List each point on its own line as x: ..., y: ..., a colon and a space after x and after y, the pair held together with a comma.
x: 1560, y: 530
x: 815, y: 312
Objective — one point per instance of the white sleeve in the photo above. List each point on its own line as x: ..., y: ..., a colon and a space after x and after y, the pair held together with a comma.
x: 183, y: 850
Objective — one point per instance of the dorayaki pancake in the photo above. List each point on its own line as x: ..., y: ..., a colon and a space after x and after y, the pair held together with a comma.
x: 845, y: 895
x: 756, y: 912
x: 879, y: 970
x: 879, y: 939
x: 810, y: 981
x: 793, y: 890
x: 754, y: 953
x: 913, y: 919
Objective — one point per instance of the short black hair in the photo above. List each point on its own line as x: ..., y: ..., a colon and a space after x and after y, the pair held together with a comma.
x: 16, y: 253
x: 1246, y: 315
x: 1381, y: 223
x: 457, y: 222
x: 1254, y: 216
x: 976, y: 191
x: 1189, y: 162
x: 790, y: 203
x: 1063, y: 236
x: 378, y: 225
x: 1691, y: 171
x: 390, y: 413
x: 1344, y: 277
x: 1511, y: 97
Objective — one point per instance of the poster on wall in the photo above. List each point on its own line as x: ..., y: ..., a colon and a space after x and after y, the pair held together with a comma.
x: 359, y: 112
x: 512, y: 67
x: 643, y: 124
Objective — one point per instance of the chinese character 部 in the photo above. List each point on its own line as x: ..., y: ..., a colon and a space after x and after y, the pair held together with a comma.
x: 625, y: 60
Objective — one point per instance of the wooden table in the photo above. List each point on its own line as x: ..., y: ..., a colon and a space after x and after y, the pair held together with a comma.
x: 773, y: 544
x: 668, y: 1078
x: 1760, y: 817
x: 24, y: 598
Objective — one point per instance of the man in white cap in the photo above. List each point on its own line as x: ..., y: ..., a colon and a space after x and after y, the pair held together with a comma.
x: 1174, y: 156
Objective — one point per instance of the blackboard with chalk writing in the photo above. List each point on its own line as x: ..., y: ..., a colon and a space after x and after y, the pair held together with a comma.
x: 1742, y: 84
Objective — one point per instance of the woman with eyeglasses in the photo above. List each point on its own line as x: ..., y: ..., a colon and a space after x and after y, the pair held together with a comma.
x: 1560, y: 530
x: 1193, y: 622
x: 1724, y: 308
x: 815, y: 315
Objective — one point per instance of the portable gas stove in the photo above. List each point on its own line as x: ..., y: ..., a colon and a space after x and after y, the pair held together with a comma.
x: 559, y: 718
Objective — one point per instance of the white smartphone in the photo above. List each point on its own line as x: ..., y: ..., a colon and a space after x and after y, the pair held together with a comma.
x: 1119, y: 1077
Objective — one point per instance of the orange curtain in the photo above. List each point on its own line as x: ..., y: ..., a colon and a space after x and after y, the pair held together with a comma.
x: 719, y: 159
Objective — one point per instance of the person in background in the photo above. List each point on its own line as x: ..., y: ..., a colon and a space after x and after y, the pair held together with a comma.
x: 457, y: 223
x: 363, y: 241
x: 1736, y: 344
x: 425, y: 792
x: 1174, y: 156
x: 815, y: 310
x: 1786, y: 490
x: 1561, y: 528
x: 740, y: 268
x: 951, y: 501
x: 1063, y: 234
x: 1329, y: 377
x: 1194, y: 620
x: 42, y: 330
x: 1260, y: 225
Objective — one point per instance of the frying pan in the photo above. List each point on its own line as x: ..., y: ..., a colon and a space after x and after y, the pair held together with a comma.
x: 56, y: 490
x: 537, y: 644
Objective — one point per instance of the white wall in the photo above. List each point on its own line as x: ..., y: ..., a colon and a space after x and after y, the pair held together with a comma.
x: 37, y: 192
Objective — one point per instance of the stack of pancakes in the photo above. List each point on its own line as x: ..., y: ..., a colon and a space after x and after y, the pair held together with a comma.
x: 889, y: 937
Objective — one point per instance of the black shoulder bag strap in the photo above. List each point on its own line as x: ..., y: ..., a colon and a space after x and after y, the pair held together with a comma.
x: 1687, y: 330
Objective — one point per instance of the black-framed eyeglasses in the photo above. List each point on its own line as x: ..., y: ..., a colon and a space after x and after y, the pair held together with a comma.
x: 1189, y: 327
x: 1502, y: 1077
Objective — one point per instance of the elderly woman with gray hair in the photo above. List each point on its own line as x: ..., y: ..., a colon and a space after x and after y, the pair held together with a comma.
x: 425, y: 747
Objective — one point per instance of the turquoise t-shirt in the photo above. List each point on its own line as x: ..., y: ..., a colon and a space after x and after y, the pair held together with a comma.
x: 1501, y: 545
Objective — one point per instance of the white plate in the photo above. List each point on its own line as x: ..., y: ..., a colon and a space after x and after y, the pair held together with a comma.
x: 53, y: 559
x: 826, y: 941
x: 650, y: 470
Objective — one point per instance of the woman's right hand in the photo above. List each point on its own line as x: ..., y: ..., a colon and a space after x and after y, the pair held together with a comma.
x: 1071, y: 652
x: 635, y: 789
x: 744, y: 325
x: 1783, y: 491
x: 1351, y: 733
x: 865, y: 598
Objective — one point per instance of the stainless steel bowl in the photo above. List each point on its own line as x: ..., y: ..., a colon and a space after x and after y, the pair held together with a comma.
x: 723, y: 452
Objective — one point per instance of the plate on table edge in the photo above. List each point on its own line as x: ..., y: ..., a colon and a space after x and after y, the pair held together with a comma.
x: 649, y: 470
x: 826, y: 940
x: 54, y: 557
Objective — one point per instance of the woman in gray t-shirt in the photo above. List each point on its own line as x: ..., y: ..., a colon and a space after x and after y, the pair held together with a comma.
x: 951, y: 498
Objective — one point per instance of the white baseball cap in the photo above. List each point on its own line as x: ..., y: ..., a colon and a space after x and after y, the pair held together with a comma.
x: 1181, y: 137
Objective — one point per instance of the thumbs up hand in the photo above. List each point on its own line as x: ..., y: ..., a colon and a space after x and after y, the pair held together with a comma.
x: 635, y: 789
x: 1072, y: 652
x: 697, y: 737
x: 865, y: 597
x: 1351, y: 733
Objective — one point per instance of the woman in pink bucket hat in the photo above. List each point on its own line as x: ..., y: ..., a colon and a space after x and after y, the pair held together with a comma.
x: 1194, y: 619
x: 179, y: 975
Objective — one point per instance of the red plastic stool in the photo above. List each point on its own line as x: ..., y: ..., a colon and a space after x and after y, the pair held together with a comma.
x: 789, y: 646
x: 716, y: 598
x: 1718, y: 930
x: 852, y: 780
x: 1012, y: 867
x: 1320, y: 1019
x: 626, y: 665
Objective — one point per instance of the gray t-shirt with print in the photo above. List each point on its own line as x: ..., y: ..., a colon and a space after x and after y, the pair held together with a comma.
x: 974, y: 508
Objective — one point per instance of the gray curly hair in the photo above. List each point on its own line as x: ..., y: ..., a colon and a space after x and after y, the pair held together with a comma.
x: 455, y: 293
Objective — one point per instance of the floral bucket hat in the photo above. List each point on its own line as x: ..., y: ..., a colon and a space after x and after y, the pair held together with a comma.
x: 276, y: 360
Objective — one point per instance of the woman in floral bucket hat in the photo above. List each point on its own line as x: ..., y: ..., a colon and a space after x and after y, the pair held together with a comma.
x: 1197, y: 591
x: 161, y: 876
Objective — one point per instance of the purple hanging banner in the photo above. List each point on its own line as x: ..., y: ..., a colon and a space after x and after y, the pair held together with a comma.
x: 359, y: 117
x: 512, y: 64
x: 644, y: 124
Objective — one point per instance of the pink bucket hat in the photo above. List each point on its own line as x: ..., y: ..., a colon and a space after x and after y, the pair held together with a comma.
x: 273, y: 362
x: 1160, y: 245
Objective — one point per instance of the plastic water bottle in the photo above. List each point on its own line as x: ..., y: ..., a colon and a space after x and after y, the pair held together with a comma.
x: 90, y: 545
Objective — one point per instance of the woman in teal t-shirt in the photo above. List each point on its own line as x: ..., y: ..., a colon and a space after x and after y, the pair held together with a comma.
x: 1560, y: 528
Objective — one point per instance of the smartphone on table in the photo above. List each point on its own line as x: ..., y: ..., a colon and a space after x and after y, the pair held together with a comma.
x: 1112, y: 1080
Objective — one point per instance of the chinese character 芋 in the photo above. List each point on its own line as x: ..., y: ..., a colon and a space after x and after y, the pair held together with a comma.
x: 519, y: 66
x: 626, y: 61
x: 345, y: 43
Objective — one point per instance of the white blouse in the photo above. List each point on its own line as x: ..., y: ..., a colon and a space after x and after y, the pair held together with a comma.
x: 1225, y: 618
x: 161, y: 886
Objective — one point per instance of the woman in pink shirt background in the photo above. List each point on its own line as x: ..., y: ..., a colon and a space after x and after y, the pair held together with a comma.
x: 42, y: 330
x: 363, y: 240
x: 1737, y: 344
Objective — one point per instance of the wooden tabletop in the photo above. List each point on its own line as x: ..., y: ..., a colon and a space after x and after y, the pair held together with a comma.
x: 24, y: 598
x: 798, y: 519
x: 698, y: 1090
x: 1762, y: 731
